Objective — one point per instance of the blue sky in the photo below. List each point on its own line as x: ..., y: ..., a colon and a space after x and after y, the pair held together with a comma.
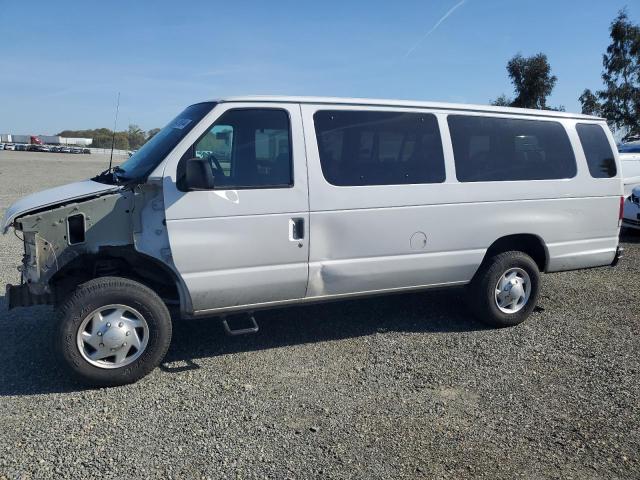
x: 64, y: 62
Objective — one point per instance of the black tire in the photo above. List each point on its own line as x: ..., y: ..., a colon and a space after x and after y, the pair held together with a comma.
x: 482, y: 289
x: 106, y: 291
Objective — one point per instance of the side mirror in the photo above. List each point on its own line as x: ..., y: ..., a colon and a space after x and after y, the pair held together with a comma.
x: 198, y: 174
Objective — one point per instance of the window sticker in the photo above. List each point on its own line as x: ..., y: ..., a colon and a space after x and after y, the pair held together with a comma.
x: 180, y: 123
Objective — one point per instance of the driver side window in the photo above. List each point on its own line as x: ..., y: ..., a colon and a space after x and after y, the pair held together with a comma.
x: 217, y: 143
x: 248, y: 148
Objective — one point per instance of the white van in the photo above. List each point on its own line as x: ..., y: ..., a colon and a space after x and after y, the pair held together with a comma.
x: 255, y: 202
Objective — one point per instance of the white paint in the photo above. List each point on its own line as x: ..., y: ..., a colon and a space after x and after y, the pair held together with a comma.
x: 235, y: 255
x: 233, y: 247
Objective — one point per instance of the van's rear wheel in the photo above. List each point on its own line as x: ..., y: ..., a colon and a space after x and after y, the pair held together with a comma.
x: 505, y: 289
x: 112, y: 331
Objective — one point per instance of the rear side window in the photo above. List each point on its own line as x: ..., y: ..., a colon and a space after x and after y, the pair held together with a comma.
x: 488, y: 149
x: 379, y: 148
x: 602, y: 163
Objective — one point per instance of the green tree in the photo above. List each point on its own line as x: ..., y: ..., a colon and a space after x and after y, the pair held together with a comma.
x: 619, y: 100
x: 590, y: 104
x: 502, y: 101
x: 136, y: 136
x: 102, y: 137
x: 532, y: 81
x: 121, y: 141
x: 151, y: 133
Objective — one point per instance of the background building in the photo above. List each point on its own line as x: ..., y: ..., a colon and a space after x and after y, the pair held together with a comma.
x: 46, y: 139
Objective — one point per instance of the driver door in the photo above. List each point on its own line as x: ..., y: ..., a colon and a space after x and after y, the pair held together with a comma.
x: 245, y: 242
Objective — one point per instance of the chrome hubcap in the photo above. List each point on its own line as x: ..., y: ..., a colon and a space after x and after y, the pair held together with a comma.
x: 113, y: 336
x: 513, y: 290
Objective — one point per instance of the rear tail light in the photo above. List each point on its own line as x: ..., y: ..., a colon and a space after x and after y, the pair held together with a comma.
x: 621, y: 211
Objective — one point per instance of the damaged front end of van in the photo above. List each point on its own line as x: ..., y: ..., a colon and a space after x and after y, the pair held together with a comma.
x: 81, y: 230
x: 111, y: 225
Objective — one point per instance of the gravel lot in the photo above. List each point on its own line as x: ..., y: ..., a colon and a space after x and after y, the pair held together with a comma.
x: 407, y: 386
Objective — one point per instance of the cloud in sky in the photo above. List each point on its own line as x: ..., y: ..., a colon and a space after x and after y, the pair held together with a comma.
x: 433, y: 29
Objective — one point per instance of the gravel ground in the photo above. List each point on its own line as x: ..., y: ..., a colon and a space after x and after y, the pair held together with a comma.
x: 406, y: 386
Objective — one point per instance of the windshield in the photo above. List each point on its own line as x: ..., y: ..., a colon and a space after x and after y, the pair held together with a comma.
x: 142, y: 162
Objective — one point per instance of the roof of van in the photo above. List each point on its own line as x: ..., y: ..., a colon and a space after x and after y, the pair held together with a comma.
x: 405, y: 104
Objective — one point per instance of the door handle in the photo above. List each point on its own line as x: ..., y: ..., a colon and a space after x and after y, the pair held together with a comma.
x: 296, y: 229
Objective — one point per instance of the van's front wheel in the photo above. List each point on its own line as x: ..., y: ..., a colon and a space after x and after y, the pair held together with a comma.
x: 505, y: 289
x: 112, y: 331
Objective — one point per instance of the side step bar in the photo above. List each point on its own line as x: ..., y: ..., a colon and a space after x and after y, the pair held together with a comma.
x: 240, y: 331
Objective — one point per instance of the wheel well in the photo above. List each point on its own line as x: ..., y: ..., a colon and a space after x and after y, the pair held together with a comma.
x: 121, y: 262
x: 528, y: 243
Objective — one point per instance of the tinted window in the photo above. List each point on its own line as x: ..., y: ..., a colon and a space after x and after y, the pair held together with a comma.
x: 602, y: 163
x: 248, y: 148
x: 499, y: 149
x: 379, y: 148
